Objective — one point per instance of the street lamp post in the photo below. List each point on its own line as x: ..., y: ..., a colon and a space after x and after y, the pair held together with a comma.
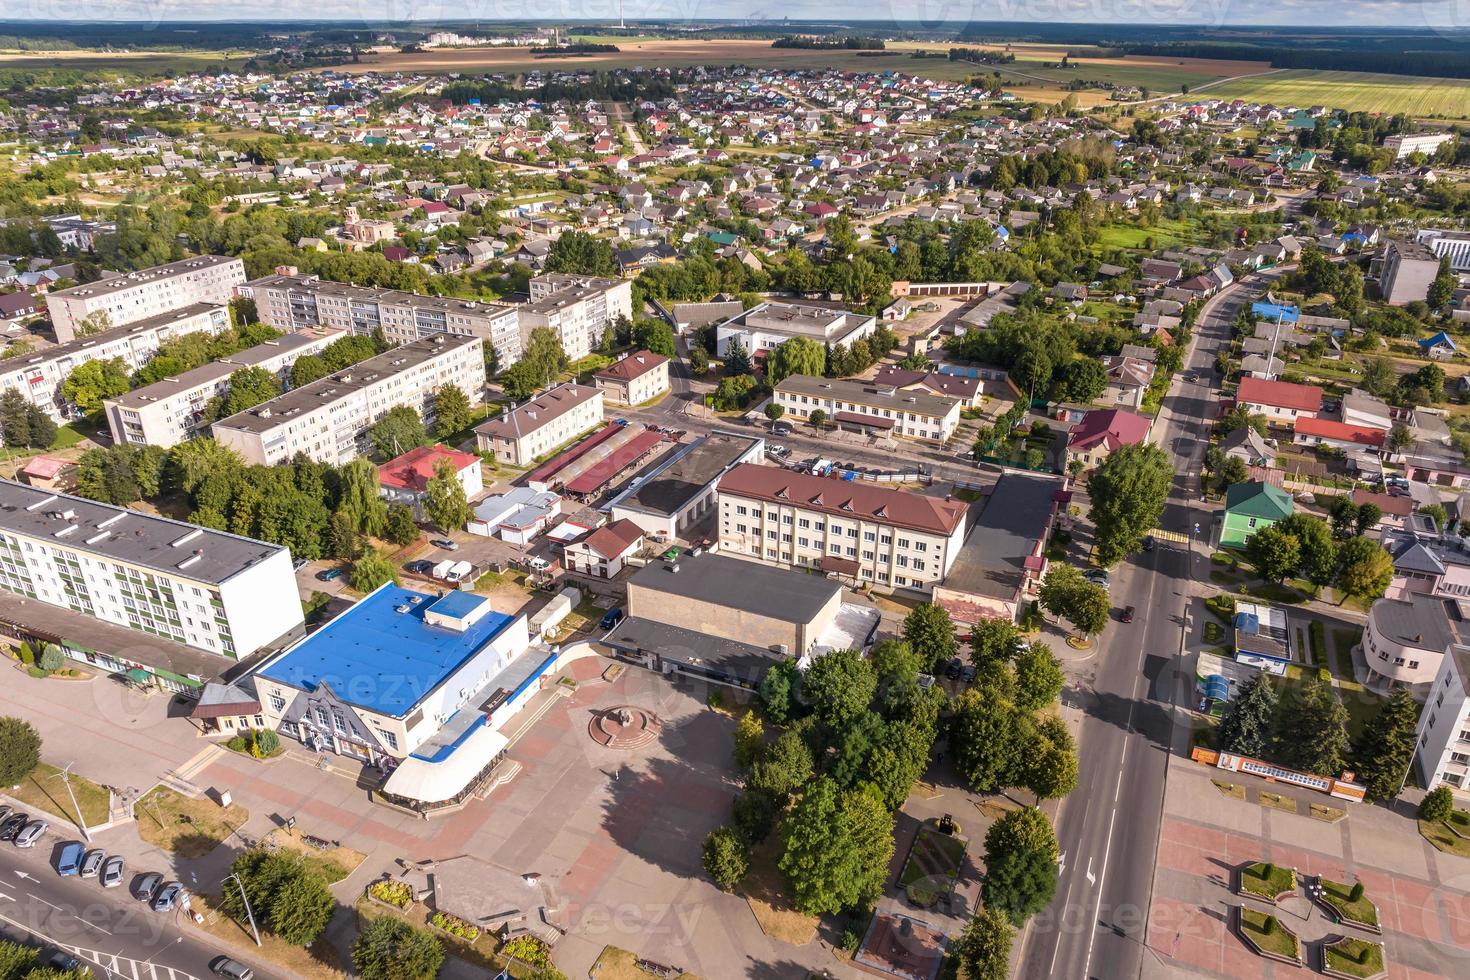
x: 246, y: 899
x: 65, y: 775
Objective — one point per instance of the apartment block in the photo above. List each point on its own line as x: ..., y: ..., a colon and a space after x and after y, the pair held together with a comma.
x: 1407, y: 144
x: 578, y: 308
x: 39, y: 376
x: 1443, y: 755
x: 209, y: 590
x: 860, y: 532
x: 870, y: 408
x: 1405, y: 272
x: 172, y: 410
x: 539, y: 425
x: 288, y: 301
x: 138, y: 296
x: 329, y: 418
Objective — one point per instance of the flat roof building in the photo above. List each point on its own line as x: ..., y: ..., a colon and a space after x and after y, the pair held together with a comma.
x: 677, y: 492
x: 169, y: 411
x: 769, y: 325
x: 865, y: 406
x: 329, y: 418
x: 578, y: 308
x: 1405, y: 272
x: 136, y: 296
x: 1442, y: 756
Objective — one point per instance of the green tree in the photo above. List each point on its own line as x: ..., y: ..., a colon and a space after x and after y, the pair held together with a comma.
x: 1082, y: 380
x: 1232, y: 470
x: 774, y: 410
x: 305, y: 370
x: 1442, y: 289
x: 778, y: 692
x: 521, y: 380
x: 698, y: 361
x: 839, y: 686
x: 799, y: 355
x: 401, y: 529
x: 300, y: 908
x: 1317, y: 551
x: 733, y: 392
x: 750, y: 739
x: 994, y: 640
x: 1365, y: 570
x: 1020, y: 864
x: 983, y: 950
x: 372, y: 570
x: 88, y: 384
x: 445, y: 502
x: 545, y: 353
x: 359, y: 500
x: 816, y: 418
x: 20, y: 750
x: 1385, y: 747
x: 581, y: 254
x: 1311, y: 729
x: 988, y: 738
x: 930, y: 634
x: 1274, y: 553
x: 397, y: 432
x: 835, y: 849
x: 249, y: 386
x: 1049, y: 766
x: 1379, y: 377
x: 1247, y: 726
x: 1128, y: 491
x: 387, y: 948
x: 1039, y: 677
x: 655, y: 336
x: 726, y: 857
x: 894, y: 659
x: 1438, y: 805
x: 737, y: 358
x: 452, y: 411
x: 1066, y: 594
x: 784, y: 766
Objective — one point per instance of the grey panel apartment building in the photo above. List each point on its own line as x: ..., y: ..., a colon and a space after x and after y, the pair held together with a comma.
x: 329, y: 418
x: 139, y: 295
x: 289, y: 302
x: 39, y: 376
x: 172, y: 410
x: 578, y: 308
x: 209, y: 590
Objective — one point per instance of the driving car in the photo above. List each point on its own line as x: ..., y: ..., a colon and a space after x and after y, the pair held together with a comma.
x: 166, y: 896
x: 13, y: 826
x: 329, y: 575
x: 31, y: 833
x: 69, y: 861
x: 92, y: 862
x: 1127, y: 615
x: 112, y: 871
x: 232, y: 969
x: 148, y: 884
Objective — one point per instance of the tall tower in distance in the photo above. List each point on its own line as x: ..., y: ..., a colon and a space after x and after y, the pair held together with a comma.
x: 621, y: 25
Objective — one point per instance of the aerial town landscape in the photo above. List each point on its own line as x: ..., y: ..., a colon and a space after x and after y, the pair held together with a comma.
x: 737, y: 498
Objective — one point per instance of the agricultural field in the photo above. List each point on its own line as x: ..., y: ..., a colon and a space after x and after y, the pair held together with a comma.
x: 145, y: 62
x: 1444, y: 98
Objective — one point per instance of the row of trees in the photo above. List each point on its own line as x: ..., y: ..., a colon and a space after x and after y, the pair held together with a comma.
x: 1305, y: 545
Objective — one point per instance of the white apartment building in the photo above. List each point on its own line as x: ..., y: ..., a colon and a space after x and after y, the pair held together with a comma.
x: 578, y: 308
x: 870, y: 407
x: 213, y: 591
x: 288, y: 301
x: 1443, y: 755
x: 539, y: 425
x: 769, y: 325
x: 140, y: 295
x: 329, y: 418
x: 39, y: 376
x: 1409, y: 144
x: 862, y: 532
x: 172, y: 410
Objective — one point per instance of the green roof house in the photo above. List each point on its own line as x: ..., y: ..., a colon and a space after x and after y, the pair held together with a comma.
x: 1250, y: 507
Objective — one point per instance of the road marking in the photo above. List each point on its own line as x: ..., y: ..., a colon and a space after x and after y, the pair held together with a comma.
x: 1091, y: 879
x: 42, y: 901
x: 21, y: 874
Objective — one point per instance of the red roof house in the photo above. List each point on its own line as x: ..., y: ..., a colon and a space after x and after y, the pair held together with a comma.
x: 1104, y: 431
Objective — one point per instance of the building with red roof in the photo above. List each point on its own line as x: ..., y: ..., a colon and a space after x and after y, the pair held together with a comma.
x: 635, y: 379
x: 1338, y: 435
x: 1102, y: 432
x: 1282, y: 402
x: 405, y: 479
x: 604, y: 552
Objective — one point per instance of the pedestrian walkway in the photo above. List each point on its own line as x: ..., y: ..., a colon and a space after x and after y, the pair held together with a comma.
x: 123, y: 968
x: 1173, y: 537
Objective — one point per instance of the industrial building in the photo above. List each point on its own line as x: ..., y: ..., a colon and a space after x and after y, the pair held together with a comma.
x: 135, y: 296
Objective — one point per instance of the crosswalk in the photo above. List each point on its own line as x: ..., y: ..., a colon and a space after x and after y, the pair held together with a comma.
x: 1173, y: 537
x: 115, y: 967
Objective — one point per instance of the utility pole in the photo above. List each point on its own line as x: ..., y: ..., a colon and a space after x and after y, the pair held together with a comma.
x: 244, y: 898
x: 65, y: 775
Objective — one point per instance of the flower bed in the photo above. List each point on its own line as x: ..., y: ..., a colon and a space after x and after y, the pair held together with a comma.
x: 1267, y: 936
x: 1359, y: 911
x: 1358, y: 959
x: 393, y: 893
x: 453, y: 925
x: 1266, y: 881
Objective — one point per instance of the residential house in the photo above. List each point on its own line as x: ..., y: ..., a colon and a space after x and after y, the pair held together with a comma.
x: 1249, y: 507
x: 1101, y: 433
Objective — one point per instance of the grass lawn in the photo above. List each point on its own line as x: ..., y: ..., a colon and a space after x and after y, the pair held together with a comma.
x: 1256, y: 879
x: 619, y: 964
x: 331, y: 865
x: 189, y: 828
x: 44, y: 789
x: 1444, y: 838
x: 765, y: 891
x: 1338, y: 895
x: 933, y: 865
x: 1355, y: 957
x: 321, y: 962
x: 1279, y: 940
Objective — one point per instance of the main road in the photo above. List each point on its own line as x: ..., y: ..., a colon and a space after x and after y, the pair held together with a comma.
x: 1130, y: 694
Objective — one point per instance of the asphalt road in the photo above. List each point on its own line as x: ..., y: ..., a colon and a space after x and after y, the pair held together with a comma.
x: 114, y: 934
x: 1108, y: 828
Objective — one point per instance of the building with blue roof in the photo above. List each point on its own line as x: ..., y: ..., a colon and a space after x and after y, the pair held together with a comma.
x: 1276, y: 312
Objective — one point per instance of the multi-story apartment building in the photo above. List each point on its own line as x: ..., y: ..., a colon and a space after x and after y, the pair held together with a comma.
x: 138, y: 296
x: 1405, y: 271
x: 289, y: 301
x: 1443, y: 754
x: 862, y: 532
x: 865, y: 406
x: 329, y: 418
x: 172, y: 410
x: 209, y: 590
x: 578, y: 308
x: 39, y: 376
x: 537, y: 426
x: 1407, y: 144
x: 770, y: 325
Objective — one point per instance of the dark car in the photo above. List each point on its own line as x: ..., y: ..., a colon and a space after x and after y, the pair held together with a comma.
x: 1127, y: 616
x: 59, y: 960
x: 329, y: 575
x: 611, y: 618
x: 1148, y: 544
x: 420, y: 567
x: 231, y: 969
x: 166, y: 897
x: 968, y: 674
x: 11, y: 827
x: 953, y: 670
x: 69, y: 862
x: 148, y: 884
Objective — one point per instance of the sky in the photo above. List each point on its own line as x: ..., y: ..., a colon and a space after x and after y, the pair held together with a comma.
x: 1439, y: 14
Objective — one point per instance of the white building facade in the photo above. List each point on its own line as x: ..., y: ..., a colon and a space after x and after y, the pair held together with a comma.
x: 149, y: 293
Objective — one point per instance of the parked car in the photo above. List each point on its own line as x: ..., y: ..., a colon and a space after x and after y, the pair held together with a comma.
x: 92, y: 862
x: 329, y: 575
x: 1127, y: 615
x: 445, y: 543
x: 13, y: 826
x: 611, y: 618
x: 31, y: 833
x: 112, y: 871
x: 148, y: 884
x: 1148, y: 543
x: 537, y: 564
x: 6, y: 810
x: 59, y: 960
x: 231, y: 969
x: 166, y: 897
x: 953, y: 670
x: 421, y: 567
x: 69, y: 861
x: 968, y: 674
x: 782, y: 428
x: 300, y: 563
x: 1097, y: 577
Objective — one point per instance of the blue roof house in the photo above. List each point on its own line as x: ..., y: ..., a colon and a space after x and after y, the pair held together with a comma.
x: 1439, y: 347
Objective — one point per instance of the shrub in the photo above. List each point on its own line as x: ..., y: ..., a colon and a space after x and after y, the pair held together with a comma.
x: 20, y: 750
x: 237, y: 744
x: 1438, y: 804
x: 458, y: 927
x: 529, y: 950
x: 1270, y: 925
x: 1356, y: 893
x: 850, y: 938
x: 726, y: 857
x: 27, y: 655
x: 1268, y: 869
x: 716, y: 699
x: 395, y: 893
x: 267, y: 742
x: 51, y: 659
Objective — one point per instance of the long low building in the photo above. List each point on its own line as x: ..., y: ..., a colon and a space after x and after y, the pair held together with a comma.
x: 216, y: 592
x: 866, y: 406
x: 666, y: 499
x: 169, y: 411
x: 329, y: 418
x: 148, y: 293
x: 536, y: 426
x: 39, y: 376
x: 769, y: 325
x: 289, y: 301
x: 860, y: 532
